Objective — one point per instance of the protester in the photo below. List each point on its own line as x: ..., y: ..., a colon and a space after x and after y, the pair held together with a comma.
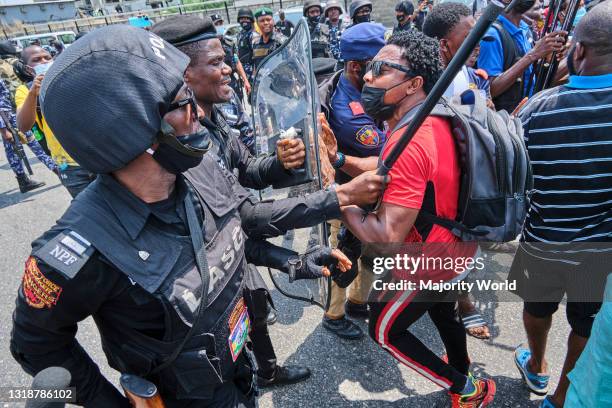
x: 355, y: 136
x: 404, y: 14
x: 25, y: 183
x: 265, y: 43
x: 570, y: 145
x: 450, y: 24
x: 283, y: 25
x: 37, y: 61
x: 333, y: 11
x: 400, y: 77
x: 507, y: 55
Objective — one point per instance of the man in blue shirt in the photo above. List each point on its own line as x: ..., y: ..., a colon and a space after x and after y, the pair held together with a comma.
x: 359, y: 142
x: 507, y: 54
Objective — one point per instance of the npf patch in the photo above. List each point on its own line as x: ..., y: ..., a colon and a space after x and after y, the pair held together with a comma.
x: 67, y: 253
x: 368, y: 136
x: 39, y: 291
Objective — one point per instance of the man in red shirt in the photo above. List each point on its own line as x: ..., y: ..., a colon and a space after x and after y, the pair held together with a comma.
x: 425, y: 177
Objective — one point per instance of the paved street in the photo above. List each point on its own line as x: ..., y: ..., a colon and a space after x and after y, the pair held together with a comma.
x: 345, y: 374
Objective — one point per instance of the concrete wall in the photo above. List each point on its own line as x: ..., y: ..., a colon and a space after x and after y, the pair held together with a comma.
x: 37, y: 12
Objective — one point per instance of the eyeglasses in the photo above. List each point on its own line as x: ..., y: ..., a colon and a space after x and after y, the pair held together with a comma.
x: 188, y: 100
x: 376, y: 68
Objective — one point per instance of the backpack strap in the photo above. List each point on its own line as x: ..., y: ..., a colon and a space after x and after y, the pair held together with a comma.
x: 511, y: 52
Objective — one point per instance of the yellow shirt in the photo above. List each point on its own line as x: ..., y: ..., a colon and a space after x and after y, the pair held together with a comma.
x: 58, y: 154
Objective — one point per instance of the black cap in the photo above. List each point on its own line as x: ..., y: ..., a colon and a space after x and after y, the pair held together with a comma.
x: 216, y: 17
x: 185, y: 29
x: 104, y: 97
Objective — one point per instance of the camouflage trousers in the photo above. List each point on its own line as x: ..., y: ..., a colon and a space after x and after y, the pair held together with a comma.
x: 16, y: 164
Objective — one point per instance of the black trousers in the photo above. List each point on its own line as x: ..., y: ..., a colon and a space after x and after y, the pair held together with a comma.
x: 389, y: 323
x: 257, y: 305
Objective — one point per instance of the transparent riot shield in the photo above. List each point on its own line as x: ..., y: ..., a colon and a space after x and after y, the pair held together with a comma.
x: 285, y: 105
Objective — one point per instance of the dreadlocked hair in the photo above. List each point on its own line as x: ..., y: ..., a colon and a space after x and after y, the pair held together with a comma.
x: 422, y: 54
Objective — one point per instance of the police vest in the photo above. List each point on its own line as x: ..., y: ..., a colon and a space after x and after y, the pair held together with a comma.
x: 245, y: 47
x: 261, y: 50
x: 163, y: 264
x: 319, y: 38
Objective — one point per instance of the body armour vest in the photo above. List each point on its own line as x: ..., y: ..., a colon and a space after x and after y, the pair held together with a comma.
x: 163, y: 265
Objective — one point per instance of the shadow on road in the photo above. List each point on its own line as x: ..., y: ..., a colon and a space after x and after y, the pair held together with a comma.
x: 14, y: 196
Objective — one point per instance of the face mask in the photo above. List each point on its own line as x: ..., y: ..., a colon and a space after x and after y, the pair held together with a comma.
x: 522, y: 6
x: 373, y: 100
x: 246, y: 26
x: 400, y: 19
x: 42, y: 68
x: 362, y: 19
x: 177, y: 160
x: 314, y: 20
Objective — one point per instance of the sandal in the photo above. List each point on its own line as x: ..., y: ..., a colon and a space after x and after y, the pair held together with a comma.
x: 473, y: 320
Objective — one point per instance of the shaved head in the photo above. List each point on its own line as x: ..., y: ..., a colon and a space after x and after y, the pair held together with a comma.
x: 595, y: 29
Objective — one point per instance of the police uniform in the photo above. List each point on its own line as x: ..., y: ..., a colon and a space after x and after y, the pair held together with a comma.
x: 231, y: 60
x: 164, y: 281
x: 357, y: 135
x: 319, y: 32
x: 13, y: 160
x: 335, y: 31
x: 260, y: 48
x: 470, y: 79
x: 245, y: 42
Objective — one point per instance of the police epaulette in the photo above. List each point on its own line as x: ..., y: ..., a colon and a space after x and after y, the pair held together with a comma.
x: 67, y: 253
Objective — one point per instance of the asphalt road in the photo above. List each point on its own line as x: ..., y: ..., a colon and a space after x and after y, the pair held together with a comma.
x: 344, y: 373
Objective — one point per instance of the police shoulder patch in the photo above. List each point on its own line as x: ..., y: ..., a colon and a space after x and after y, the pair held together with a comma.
x: 67, y: 252
x: 368, y: 136
x: 39, y: 291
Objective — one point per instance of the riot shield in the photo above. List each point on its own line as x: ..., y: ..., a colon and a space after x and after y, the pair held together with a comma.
x: 285, y: 104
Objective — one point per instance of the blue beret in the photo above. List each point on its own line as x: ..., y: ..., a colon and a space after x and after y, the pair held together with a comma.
x: 362, y: 41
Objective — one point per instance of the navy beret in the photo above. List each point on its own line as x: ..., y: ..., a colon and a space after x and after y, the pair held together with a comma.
x: 184, y: 29
x: 362, y: 42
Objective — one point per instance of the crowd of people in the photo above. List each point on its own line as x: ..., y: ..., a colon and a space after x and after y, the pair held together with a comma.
x: 162, y: 178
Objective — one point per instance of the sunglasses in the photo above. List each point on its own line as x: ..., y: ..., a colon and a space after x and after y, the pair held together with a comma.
x: 188, y: 100
x: 376, y: 68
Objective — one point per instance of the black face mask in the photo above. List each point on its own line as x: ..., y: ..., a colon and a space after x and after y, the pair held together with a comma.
x: 246, y: 26
x: 400, y: 19
x: 314, y: 20
x: 522, y: 6
x: 362, y: 19
x: 178, y: 158
x: 373, y: 100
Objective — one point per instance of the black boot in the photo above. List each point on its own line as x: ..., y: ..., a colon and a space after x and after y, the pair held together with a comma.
x: 285, y: 375
x: 356, y: 310
x: 343, y: 328
x: 25, y: 184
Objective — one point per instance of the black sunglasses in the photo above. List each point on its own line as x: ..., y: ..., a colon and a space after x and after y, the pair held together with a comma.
x: 376, y: 68
x: 189, y: 99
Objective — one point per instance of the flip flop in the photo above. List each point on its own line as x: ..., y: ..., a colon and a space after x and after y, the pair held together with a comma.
x: 473, y: 320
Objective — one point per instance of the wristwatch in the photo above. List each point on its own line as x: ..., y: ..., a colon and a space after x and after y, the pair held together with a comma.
x: 341, y: 159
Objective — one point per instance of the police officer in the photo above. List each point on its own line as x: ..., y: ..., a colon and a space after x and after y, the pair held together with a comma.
x: 245, y: 41
x: 404, y: 14
x: 359, y: 141
x: 155, y: 257
x: 336, y: 25
x: 269, y: 40
x: 204, y: 76
x: 239, y: 83
x: 319, y: 32
x: 360, y: 11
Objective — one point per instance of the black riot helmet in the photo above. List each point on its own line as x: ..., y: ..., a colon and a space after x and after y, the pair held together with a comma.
x: 245, y: 12
x: 332, y: 4
x: 357, y: 4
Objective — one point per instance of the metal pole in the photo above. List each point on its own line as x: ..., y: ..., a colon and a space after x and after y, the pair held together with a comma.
x: 227, y: 12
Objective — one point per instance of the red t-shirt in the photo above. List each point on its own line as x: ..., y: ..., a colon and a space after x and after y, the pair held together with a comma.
x: 430, y: 156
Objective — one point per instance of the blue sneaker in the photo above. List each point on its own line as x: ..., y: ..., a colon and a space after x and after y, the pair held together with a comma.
x: 547, y: 403
x: 537, y: 383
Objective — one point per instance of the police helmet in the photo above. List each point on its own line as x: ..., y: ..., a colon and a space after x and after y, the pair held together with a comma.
x: 333, y: 4
x: 309, y: 4
x: 405, y: 7
x: 216, y: 17
x: 357, y: 4
x: 245, y: 12
x: 150, y: 72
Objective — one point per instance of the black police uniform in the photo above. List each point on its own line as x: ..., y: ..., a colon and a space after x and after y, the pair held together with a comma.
x: 245, y: 51
x: 231, y: 60
x: 319, y: 40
